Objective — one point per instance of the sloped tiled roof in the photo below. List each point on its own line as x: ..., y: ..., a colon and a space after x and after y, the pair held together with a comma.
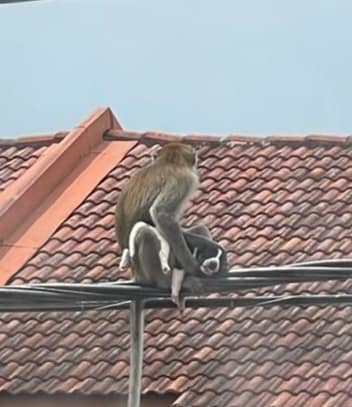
x: 16, y: 156
x: 268, y: 201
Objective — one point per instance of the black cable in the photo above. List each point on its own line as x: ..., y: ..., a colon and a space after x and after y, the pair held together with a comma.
x: 63, y: 296
x: 160, y: 303
x: 15, y: 1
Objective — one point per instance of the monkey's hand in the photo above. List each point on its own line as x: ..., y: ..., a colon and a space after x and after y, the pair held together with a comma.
x: 166, y: 269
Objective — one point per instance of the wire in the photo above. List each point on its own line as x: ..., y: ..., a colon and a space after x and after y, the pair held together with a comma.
x: 15, y: 1
x: 118, y: 295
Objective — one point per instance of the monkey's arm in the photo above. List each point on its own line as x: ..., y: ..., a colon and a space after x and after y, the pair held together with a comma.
x: 164, y: 214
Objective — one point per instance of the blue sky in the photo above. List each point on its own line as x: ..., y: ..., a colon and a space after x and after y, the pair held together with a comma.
x: 225, y: 66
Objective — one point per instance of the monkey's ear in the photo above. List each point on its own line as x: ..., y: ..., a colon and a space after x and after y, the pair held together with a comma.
x: 154, y: 153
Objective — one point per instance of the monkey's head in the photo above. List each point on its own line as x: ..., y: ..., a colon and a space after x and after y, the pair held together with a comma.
x: 212, y: 259
x: 179, y: 154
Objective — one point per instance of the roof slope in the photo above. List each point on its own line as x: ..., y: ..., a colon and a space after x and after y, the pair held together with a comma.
x: 16, y: 156
x: 268, y: 201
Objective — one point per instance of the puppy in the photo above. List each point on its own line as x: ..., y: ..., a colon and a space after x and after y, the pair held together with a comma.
x: 210, y: 256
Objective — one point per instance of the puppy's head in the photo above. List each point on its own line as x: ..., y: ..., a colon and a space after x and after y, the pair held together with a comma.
x: 212, y: 259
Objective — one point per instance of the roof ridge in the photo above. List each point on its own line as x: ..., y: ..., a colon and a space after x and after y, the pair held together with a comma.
x: 39, y: 140
x: 152, y: 137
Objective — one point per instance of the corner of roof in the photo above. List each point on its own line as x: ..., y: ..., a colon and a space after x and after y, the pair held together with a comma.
x: 81, y: 153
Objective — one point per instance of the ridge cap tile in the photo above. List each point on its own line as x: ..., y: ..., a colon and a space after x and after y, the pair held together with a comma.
x: 151, y: 137
x: 327, y: 138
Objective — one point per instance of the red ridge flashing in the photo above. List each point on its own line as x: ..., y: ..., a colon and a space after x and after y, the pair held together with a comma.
x: 121, y: 135
x: 37, y: 141
x: 286, y: 139
x: 30, y: 190
x: 233, y: 138
x: 150, y: 138
x: 202, y: 139
x: 325, y: 138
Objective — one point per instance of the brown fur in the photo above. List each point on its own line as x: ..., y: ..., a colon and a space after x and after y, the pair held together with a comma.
x: 156, y: 195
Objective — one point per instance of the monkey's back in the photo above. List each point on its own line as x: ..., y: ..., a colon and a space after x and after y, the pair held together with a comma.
x: 157, y: 180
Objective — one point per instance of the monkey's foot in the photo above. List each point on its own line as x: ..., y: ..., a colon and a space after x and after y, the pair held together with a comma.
x: 164, y: 265
x: 166, y: 269
x: 124, y: 260
x: 179, y: 301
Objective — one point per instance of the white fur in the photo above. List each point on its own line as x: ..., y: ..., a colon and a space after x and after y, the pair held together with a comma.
x: 124, y: 259
x: 211, y: 259
x: 176, y: 284
x: 132, y: 238
x: 177, y: 274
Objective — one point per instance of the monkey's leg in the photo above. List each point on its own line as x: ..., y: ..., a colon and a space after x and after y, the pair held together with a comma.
x: 150, y: 231
x: 152, y: 254
x: 149, y: 242
x: 164, y: 251
x: 164, y: 256
x: 176, y: 285
x: 136, y: 234
x: 194, y: 237
x: 164, y: 213
x: 147, y: 265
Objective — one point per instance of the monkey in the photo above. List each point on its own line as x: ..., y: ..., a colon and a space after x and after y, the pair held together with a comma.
x: 157, y: 195
x: 148, y: 248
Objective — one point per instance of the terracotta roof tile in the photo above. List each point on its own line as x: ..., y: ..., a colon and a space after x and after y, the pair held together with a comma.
x: 15, y: 159
x: 269, y: 202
